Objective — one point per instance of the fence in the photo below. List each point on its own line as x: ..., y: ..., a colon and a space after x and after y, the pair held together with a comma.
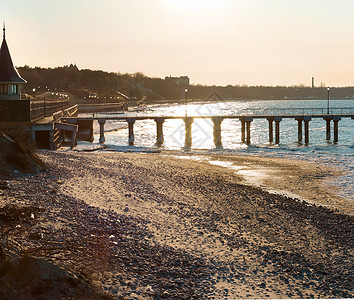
x: 29, y: 110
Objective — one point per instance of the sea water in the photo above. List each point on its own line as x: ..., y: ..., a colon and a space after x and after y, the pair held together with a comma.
x: 340, y: 155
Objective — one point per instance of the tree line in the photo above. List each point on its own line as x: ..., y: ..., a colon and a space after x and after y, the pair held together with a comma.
x: 106, y: 85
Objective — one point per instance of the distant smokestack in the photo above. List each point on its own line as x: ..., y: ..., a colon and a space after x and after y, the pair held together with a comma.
x: 313, y: 82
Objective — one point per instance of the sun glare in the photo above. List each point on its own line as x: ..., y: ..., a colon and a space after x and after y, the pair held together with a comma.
x: 195, y: 6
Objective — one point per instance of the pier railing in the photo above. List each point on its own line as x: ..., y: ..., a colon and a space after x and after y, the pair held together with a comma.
x: 297, y: 111
x: 26, y: 110
x: 283, y: 112
x: 40, y: 109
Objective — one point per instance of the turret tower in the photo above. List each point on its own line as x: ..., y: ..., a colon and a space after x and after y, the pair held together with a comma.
x: 10, y: 79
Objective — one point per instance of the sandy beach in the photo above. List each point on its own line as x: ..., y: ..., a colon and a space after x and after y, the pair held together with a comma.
x: 160, y: 226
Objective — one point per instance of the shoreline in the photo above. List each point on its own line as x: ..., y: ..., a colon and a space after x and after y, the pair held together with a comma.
x: 170, y: 228
x: 298, y: 179
x: 312, y: 182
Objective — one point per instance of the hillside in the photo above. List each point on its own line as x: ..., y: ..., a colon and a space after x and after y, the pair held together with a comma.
x: 107, y: 86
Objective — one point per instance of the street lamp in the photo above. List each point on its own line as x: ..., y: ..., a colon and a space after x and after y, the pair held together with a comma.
x: 328, y: 101
x: 185, y: 97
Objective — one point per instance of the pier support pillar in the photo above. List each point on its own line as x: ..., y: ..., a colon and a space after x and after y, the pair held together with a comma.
x: 248, y: 121
x: 246, y: 129
x: 188, y: 137
x: 335, y: 129
x: 328, y: 128
x: 85, y: 131
x: 102, y: 138
x: 33, y: 136
x: 51, y: 140
x: 159, y: 132
x: 131, y: 122
x: 299, y: 129
x: 277, y: 129
x: 270, y: 121
x: 243, y: 130
x: 306, y: 124
x: 217, y: 131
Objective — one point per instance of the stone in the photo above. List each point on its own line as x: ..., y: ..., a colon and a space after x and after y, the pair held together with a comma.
x: 35, y: 236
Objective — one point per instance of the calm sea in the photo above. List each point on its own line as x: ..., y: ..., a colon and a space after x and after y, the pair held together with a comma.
x: 340, y: 155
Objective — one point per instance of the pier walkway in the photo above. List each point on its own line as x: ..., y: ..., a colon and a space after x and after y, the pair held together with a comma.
x: 38, y: 121
x: 303, y: 116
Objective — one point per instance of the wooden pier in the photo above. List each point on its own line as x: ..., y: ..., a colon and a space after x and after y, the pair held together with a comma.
x: 274, y: 125
x: 38, y: 121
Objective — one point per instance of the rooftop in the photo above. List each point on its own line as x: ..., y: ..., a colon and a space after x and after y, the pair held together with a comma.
x: 8, y: 73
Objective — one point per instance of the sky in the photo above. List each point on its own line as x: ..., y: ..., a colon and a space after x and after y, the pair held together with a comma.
x: 213, y: 42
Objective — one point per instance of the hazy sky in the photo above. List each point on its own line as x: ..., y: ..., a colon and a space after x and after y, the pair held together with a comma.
x: 253, y: 42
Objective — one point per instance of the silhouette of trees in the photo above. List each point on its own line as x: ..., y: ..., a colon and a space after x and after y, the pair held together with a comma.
x: 106, y: 84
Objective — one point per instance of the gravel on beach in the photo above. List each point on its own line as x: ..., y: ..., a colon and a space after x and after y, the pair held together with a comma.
x: 151, y: 226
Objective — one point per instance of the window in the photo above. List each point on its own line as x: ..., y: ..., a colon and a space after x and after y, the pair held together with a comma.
x: 14, y: 89
x: 3, y: 89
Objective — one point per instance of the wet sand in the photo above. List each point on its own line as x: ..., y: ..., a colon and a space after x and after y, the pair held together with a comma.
x: 294, y: 178
x: 185, y: 229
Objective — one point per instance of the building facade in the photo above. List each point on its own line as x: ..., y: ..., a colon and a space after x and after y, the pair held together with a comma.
x: 182, y: 81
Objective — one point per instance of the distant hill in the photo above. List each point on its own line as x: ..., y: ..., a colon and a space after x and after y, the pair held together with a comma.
x: 106, y: 85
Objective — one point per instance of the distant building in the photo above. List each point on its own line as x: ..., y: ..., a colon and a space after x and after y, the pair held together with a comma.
x: 182, y: 81
x: 10, y: 79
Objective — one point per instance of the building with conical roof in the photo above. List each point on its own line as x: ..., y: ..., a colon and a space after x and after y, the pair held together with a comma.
x: 10, y: 79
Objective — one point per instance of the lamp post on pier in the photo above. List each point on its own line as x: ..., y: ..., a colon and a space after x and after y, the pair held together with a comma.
x: 328, y: 101
x: 185, y: 97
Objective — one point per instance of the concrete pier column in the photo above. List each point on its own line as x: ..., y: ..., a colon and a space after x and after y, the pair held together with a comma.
x: 217, y: 131
x: 277, y: 132
x: 188, y: 137
x: 248, y: 121
x: 306, y: 124
x: 73, y: 140
x: 248, y: 129
x: 51, y: 139
x: 159, y: 132
x: 131, y: 122
x: 277, y: 129
x: 243, y: 130
x: 102, y: 138
x: 270, y: 121
x: 33, y: 136
x: 85, y: 131
x: 335, y: 129
x: 299, y: 129
x: 328, y: 127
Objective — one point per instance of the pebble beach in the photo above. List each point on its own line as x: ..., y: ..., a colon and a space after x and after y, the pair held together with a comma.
x: 155, y: 226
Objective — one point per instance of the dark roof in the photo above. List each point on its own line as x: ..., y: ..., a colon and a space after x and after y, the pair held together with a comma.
x: 8, y: 73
